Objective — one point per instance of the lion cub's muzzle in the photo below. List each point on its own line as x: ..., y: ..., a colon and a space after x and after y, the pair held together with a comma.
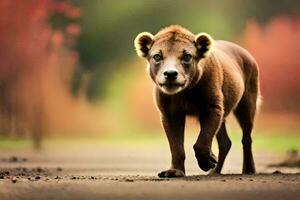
x: 171, y: 82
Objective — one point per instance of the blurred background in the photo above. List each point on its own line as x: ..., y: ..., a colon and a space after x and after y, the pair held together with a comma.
x: 69, y: 71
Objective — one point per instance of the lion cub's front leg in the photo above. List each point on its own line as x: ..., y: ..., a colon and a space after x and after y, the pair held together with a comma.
x: 174, y: 128
x: 210, y: 121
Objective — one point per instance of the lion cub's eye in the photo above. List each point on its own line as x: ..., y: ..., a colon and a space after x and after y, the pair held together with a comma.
x: 187, y: 58
x: 157, y: 58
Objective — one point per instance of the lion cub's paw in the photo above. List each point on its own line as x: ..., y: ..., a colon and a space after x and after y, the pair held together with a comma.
x: 171, y: 173
x: 206, y: 159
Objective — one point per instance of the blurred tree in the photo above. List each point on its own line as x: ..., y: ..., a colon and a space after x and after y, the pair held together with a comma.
x: 30, y: 53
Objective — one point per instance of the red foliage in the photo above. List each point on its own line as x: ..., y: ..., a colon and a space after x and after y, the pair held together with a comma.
x: 34, y: 61
x: 17, y: 28
x: 276, y: 48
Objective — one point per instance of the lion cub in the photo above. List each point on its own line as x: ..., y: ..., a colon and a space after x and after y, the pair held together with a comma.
x: 197, y: 76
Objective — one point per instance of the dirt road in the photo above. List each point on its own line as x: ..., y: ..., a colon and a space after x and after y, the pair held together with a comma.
x: 130, y: 173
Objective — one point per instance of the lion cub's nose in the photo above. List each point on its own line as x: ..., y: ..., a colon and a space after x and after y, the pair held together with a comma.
x: 170, y: 74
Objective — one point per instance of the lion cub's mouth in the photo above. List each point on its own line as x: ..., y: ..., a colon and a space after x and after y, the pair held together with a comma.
x: 171, y: 87
x: 171, y: 84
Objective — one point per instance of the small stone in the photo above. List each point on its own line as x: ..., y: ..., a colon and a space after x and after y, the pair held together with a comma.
x: 251, y: 179
x: 39, y: 169
x: 59, y: 169
x: 223, y: 180
x: 277, y: 172
x: 13, y: 159
x: 14, y: 180
x: 128, y: 180
x: 37, y: 177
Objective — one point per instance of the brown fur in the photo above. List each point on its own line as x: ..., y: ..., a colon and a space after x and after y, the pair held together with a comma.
x: 219, y: 78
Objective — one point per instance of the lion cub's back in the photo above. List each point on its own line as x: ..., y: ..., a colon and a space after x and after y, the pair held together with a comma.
x: 234, y: 61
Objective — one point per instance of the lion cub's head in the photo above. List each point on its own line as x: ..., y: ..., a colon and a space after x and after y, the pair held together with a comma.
x: 173, y: 55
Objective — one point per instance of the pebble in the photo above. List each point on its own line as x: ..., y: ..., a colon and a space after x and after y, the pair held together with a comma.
x: 277, y: 172
x: 39, y: 169
x: 59, y: 169
x: 14, y: 180
x: 128, y: 180
x: 13, y: 159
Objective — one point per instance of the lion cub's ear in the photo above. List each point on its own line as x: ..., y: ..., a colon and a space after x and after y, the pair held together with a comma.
x: 203, y: 42
x: 143, y: 43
